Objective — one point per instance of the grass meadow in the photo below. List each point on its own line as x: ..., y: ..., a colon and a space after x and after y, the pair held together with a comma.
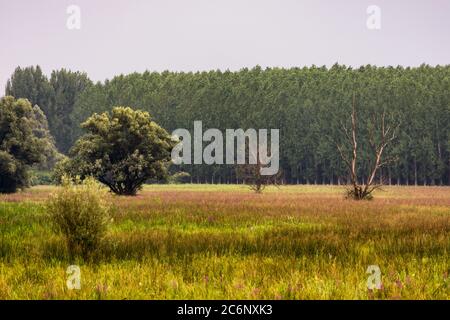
x: 226, y: 242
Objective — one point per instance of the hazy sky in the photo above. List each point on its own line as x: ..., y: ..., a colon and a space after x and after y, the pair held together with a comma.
x: 188, y: 35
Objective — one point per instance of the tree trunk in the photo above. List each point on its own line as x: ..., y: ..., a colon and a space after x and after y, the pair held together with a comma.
x: 415, y: 172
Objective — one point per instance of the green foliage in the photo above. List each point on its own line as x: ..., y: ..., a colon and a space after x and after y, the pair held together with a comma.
x: 30, y: 83
x: 122, y: 149
x: 306, y: 104
x: 179, y: 177
x: 66, y: 86
x: 51, y: 154
x: 40, y: 177
x: 60, y: 170
x: 24, y: 141
x: 80, y: 212
x: 55, y: 96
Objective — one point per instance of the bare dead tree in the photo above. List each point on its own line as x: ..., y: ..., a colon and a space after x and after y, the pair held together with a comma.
x: 380, y: 135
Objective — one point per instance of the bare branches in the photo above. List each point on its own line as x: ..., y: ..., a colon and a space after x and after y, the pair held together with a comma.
x: 380, y: 134
x: 386, y: 135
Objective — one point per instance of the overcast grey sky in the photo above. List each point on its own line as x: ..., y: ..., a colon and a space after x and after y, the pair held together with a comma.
x: 188, y: 35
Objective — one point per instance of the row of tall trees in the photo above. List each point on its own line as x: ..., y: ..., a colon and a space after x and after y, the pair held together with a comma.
x: 56, y: 96
x: 308, y: 105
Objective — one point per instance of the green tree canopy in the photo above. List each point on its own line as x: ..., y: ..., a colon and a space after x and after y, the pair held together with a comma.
x: 24, y: 141
x: 55, y: 96
x: 122, y: 149
x: 307, y: 104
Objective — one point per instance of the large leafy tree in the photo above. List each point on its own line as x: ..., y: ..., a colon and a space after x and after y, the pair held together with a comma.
x: 122, y: 149
x: 24, y: 141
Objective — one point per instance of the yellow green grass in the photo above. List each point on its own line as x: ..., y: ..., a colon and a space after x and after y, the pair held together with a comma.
x: 225, y: 242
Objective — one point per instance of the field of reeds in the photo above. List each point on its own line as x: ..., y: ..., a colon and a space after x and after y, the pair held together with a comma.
x: 226, y: 242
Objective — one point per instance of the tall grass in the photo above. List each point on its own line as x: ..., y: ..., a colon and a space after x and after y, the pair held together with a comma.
x: 224, y: 242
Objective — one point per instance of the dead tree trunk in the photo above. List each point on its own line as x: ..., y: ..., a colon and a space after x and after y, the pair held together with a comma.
x: 387, y: 133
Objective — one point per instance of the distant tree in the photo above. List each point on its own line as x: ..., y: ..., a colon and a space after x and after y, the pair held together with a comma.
x: 30, y: 83
x: 55, y: 96
x: 250, y: 174
x: 122, y: 150
x: 24, y: 142
x: 178, y: 177
x: 51, y: 154
x: 67, y: 86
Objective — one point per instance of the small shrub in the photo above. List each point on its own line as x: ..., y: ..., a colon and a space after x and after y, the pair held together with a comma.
x: 80, y: 212
x: 352, y: 194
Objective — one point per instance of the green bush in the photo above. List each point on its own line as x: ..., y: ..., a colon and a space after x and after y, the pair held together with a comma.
x: 60, y: 170
x: 80, y: 212
x: 41, y: 177
x: 179, y: 177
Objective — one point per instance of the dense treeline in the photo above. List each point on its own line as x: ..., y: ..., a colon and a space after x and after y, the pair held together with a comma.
x: 55, y: 96
x: 308, y: 105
